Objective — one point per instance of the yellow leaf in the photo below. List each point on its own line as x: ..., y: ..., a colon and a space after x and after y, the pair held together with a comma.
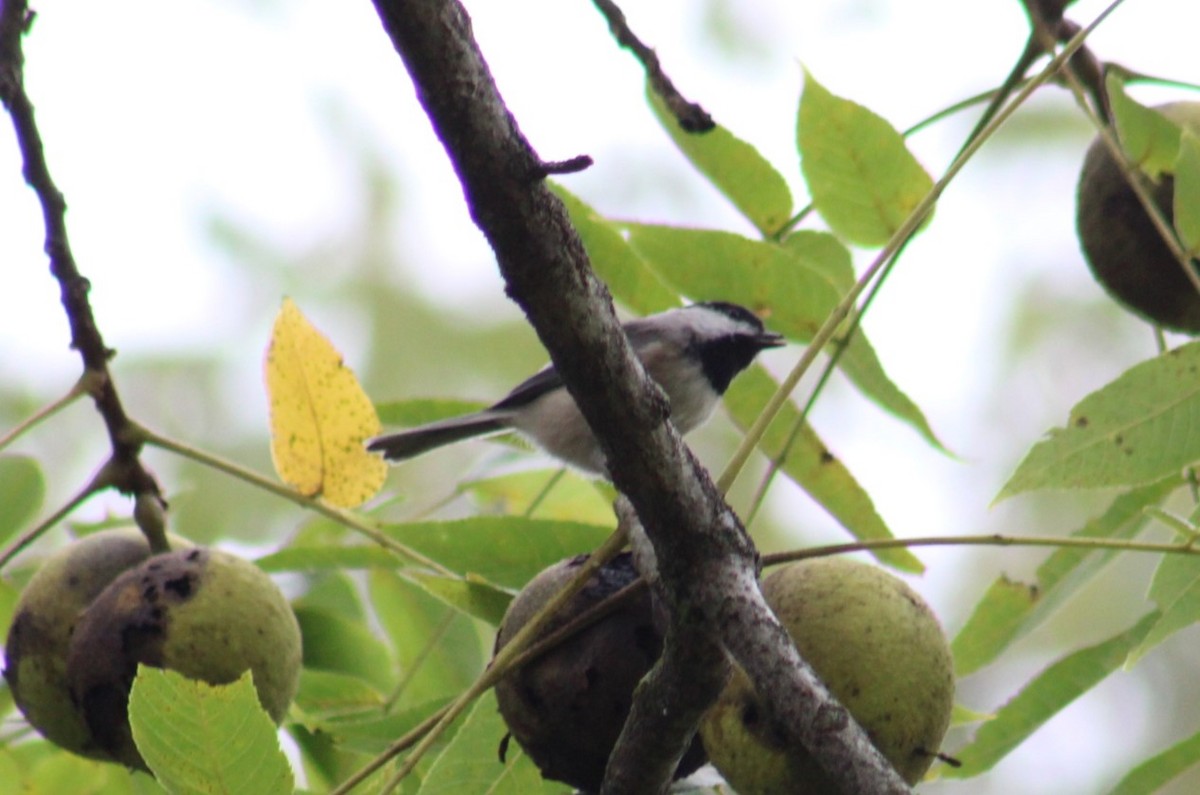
x: 320, y: 416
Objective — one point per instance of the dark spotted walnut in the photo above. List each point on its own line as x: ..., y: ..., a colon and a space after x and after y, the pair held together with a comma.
x: 205, y: 613
x: 567, y: 707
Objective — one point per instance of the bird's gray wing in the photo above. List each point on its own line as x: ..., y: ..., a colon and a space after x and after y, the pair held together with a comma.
x: 641, y: 336
x: 532, y: 388
x: 639, y: 331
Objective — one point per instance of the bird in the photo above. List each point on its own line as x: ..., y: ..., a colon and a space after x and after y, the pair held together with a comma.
x: 692, y: 352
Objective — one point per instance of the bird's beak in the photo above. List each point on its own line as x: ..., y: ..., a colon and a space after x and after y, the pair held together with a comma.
x: 769, y: 339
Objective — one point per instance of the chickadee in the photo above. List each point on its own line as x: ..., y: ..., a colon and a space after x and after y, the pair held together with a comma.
x: 693, y: 353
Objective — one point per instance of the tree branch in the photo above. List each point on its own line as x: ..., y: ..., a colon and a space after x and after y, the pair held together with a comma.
x: 690, y: 116
x: 670, y: 701
x: 708, y: 564
x: 667, y: 706
x: 128, y: 474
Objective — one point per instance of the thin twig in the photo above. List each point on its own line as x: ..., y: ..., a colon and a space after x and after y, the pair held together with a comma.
x: 1105, y: 128
x: 569, y: 166
x: 97, y: 483
x: 994, y: 540
x: 504, y: 657
x: 541, y: 496
x: 128, y: 474
x: 906, y: 230
x: 691, y: 117
x: 423, y: 656
x: 80, y: 388
x: 513, y: 654
x: 347, y: 518
x: 498, y: 668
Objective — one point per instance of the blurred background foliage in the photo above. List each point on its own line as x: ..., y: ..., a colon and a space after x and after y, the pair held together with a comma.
x: 991, y: 323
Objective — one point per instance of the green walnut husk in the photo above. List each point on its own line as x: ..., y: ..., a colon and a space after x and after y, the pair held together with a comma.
x: 878, y: 648
x: 207, y: 614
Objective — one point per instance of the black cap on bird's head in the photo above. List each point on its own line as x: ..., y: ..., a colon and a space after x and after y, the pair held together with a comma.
x: 734, y: 312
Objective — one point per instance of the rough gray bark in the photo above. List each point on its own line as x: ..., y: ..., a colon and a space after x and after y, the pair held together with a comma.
x: 707, y: 564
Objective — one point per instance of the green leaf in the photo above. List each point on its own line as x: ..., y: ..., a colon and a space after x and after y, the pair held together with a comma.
x: 707, y: 264
x: 39, y: 767
x: 469, y: 762
x: 371, y: 734
x: 203, y: 739
x: 961, y: 716
x: 1150, y: 139
x: 327, y: 558
x: 506, y: 550
x: 418, y: 411
x: 336, y: 593
x: 337, y: 644
x: 10, y: 770
x: 863, y: 180
x: 1129, y: 432
x: 735, y: 168
x: 1187, y: 192
x: 811, y: 465
x: 1176, y: 590
x: 796, y: 285
x: 1043, y: 697
x: 9, y: 594
x: 439, y: 650
x: 1156, y: 772
x: 22, y: 489
x: 474, y: 598
x: 993, y: 624
x: 1011, y: 610
x: 824, y: 252
x: 324, y: 694
x: 629, y: 279
x: 558, y: 494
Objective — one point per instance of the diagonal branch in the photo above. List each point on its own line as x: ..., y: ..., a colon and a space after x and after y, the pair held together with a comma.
x: 689, y: 115
x: 126, y: 471
x: 708, y: 565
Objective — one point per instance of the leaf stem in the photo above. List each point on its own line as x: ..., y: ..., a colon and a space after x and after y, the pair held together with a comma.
x: 422, y: 657
x: 541, y: 496
x: 1181, y: 526
x: 522, y: 651
x: 100, y: 482
x: 906, y: 230
x: 995, y: 540
x: 1131, y: 172
x: 83, y: 386
x: 499, y: 666
x: 352, y: 520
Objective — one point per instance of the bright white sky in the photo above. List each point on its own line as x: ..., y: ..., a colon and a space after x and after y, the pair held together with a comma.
x: 160, y: 110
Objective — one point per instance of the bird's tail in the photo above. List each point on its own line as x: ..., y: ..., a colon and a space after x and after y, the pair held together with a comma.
x: 415, y: 441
